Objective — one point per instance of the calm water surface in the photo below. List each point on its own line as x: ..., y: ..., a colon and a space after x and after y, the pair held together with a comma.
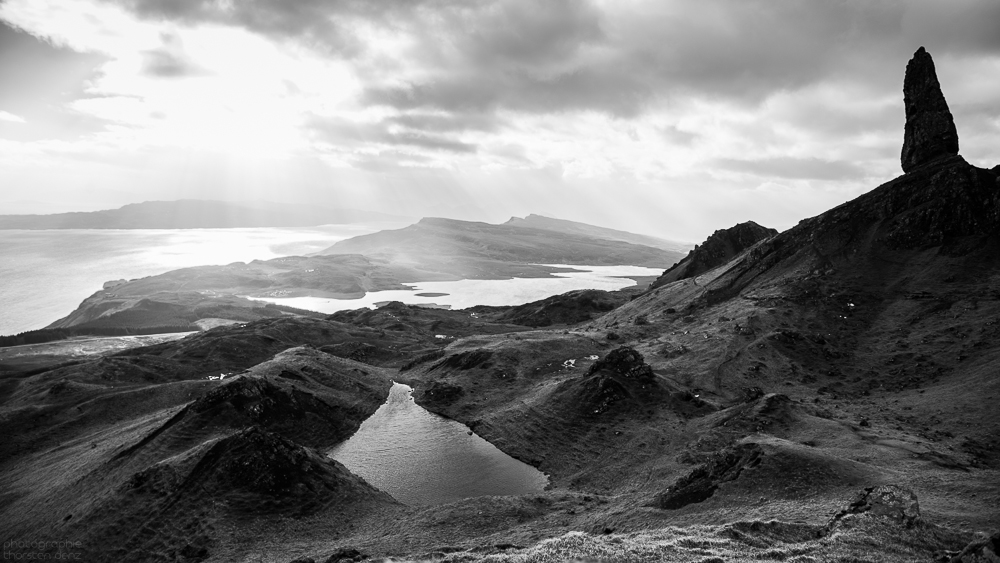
x: 461, y: 294
x: 45, y: 274
x: 421, y: 458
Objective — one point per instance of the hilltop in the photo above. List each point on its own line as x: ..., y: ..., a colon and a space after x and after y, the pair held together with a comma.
x: 721, y: 247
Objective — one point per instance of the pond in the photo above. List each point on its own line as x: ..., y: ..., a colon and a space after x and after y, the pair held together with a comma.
x: 421, y: 458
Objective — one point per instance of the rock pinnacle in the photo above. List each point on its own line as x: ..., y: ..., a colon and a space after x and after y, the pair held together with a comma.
x: 930, y: 129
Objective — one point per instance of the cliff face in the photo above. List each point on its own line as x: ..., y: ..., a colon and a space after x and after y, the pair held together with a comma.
x: 718, y: 249
x: 930, y: 128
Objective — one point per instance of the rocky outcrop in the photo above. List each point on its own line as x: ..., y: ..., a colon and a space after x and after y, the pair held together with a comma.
x: 717, y: 249
x: 624, y: 361
x: 886, y: 501
x: 565, y: 309
x: 930, y: 128
x: 703, y: 481
x: 621, y: 381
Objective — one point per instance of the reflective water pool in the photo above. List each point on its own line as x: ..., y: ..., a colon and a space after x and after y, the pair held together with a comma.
x: 421, y: 458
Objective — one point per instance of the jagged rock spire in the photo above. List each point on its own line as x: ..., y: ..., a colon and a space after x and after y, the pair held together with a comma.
x: 930, y: 129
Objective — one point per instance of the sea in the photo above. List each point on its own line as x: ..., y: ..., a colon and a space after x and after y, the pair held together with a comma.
x: 45, y: 274
x: 460, y: 294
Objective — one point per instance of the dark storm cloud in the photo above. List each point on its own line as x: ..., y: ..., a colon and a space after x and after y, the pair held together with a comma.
x: 515, y: 33
x: 737, y: 51
x: 956, y: 26
x: 307, y: 19
x: 325, y: 24
x: 475, y: 59
x: 528, y: 56
x: 618, y: 63
x: 795, y: 168
x: 578, y: 89
x: 741, y: 48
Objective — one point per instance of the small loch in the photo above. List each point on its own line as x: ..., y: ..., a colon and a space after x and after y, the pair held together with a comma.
x: 421, y: 458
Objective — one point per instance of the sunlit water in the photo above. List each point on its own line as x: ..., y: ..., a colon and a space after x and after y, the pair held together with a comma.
x: 421, y: 458
x: 467, y: 293
x: 45, y: 274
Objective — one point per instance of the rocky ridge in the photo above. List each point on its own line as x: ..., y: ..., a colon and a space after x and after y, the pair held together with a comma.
x: 721, y: 247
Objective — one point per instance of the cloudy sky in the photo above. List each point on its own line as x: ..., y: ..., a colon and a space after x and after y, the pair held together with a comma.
x: 664, y: 117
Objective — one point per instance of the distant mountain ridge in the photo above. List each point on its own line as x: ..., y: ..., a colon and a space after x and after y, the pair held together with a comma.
x: 432, y: 249
x: 574, y: 227
x: 435, y: 239
x: 197, y: 214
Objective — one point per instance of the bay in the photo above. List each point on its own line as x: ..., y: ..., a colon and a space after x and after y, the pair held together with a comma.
x: 45, y: 274
x: 461, y: 294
